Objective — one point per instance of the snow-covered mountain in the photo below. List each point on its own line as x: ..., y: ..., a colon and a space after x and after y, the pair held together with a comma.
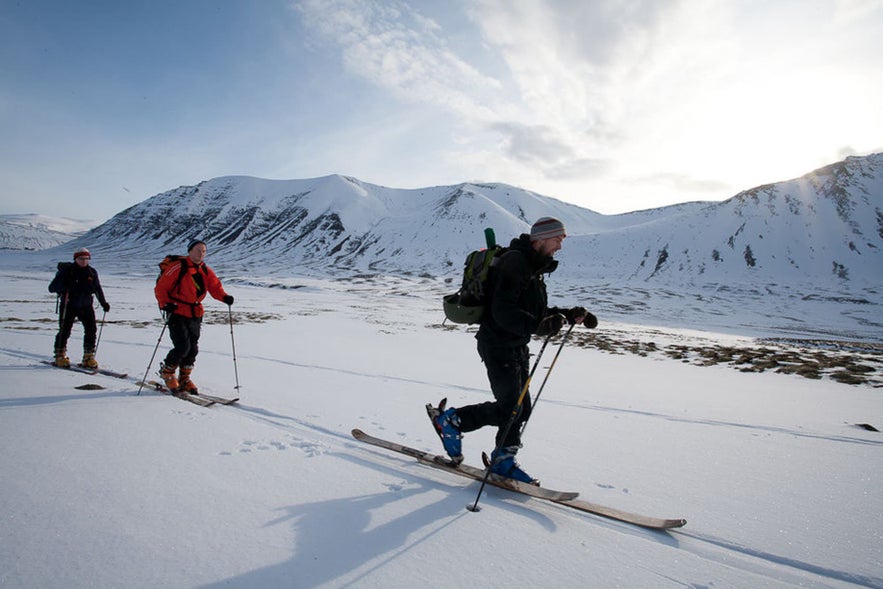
x: 331, y: 224
x: 36, y: 232
x: 826, y: 226
x: 798, y: 258
x: 823, y: 228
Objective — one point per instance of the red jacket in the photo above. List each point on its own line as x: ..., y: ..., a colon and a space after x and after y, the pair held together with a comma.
x: 189, y: 291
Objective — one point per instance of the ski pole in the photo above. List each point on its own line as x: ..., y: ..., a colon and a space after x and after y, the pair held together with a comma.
x: 165, y: 324
x: 100, y: 329
x: 233, y: 344
x: 61, y: 307
x: 505, y: 432
x: 548, y: 372
x: 62, y: 310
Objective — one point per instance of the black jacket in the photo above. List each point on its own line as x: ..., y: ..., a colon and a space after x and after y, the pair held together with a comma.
x: 517, y: 295
x: 76, y: 285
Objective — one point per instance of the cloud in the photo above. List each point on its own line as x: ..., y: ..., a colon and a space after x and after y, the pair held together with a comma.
x: 532, y: 144
x: 557, y: 104
x: 399, y: 49
x: 663, y: 97
x: 682, y: 183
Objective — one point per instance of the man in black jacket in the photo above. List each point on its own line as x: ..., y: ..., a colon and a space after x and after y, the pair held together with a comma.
x: 517, y: 308
x: 75, y: 283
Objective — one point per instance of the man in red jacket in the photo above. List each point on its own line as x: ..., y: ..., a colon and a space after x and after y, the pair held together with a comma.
x: 179, y: 292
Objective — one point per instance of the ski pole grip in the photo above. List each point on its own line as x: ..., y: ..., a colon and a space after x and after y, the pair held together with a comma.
x: 490, y: 238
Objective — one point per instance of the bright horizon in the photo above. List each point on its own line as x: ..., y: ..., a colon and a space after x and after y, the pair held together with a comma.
x: 612, y: 106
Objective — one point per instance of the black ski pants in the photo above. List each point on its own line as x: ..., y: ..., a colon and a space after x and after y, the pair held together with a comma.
x: 507, y: 370
x: 69, y: 315
x: 184, y: 332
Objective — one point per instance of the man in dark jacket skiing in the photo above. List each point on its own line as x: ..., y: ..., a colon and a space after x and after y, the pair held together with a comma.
x: 517, y: 308
x: 75, y: 283
x: 180, y: 291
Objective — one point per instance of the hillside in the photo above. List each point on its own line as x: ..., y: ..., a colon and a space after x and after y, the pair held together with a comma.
x: 37, y: 232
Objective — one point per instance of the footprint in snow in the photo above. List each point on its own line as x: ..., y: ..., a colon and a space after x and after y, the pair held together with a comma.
x: 308, y: 447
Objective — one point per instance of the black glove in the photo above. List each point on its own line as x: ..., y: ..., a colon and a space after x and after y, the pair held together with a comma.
x: 105, y: 306
x: 228, y: 299
x: 590, y: 321
x: 170, y: 307
x: 575, y: 313
x: 551, y: 324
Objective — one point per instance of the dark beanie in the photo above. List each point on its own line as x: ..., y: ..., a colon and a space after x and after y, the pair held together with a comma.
x: 547, y: 227
x: 193, y: 244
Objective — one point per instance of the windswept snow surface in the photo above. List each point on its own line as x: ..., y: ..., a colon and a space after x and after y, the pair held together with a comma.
x: 108, y: 488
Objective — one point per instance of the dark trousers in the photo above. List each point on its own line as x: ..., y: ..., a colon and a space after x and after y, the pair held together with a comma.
x: 69, y: 315
x: 507, y: 371
x: 184, y: 332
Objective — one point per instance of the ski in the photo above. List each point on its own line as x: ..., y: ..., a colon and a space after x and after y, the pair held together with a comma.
x: 465, y: 470
x: 105, y: 371
x: 656, y: 523
x: 618, y: 514
x: 196, y: 399
x: 72, y: 368
x: 86, y: 370
x: 218, y: 400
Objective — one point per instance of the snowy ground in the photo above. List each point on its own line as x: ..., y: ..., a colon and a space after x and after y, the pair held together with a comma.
x: 106, y: 488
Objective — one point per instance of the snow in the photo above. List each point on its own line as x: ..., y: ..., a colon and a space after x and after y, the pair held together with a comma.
x: 109, y: 488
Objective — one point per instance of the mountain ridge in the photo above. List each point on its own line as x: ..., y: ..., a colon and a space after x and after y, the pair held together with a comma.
x: 824, y: 226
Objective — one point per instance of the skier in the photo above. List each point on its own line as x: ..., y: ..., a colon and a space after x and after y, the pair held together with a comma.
x: 75, y: 283
x: 179, y: 292
x: 517, y: 307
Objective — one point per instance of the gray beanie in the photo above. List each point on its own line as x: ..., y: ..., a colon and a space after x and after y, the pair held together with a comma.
x: 547, y: 227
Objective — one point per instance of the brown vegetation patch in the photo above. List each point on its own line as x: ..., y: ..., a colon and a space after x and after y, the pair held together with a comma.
x: 854, y: 363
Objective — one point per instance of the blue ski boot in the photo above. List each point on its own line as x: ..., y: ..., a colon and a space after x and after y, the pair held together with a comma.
x: 504, y: 465
x: 447, y: 426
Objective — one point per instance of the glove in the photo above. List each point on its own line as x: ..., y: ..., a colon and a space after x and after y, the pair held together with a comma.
x: 228, y: 299
x: 575, y: 314
x: 170, y: 307
x: 551, y: 324
x: 105, y: 306
x: 590, y: 321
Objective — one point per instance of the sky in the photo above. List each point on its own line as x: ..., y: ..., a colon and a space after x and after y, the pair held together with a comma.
x: 613, y: 105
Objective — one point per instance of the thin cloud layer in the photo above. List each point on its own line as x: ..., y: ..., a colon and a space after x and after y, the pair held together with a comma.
x: 614, y: 105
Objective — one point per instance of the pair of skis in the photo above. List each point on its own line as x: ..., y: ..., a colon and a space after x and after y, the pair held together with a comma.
x: 87, y: 370
x: 568, y: 499
x: 197, y: 399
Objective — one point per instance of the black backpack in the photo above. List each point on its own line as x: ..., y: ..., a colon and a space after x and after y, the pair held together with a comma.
x: 64, y: 269
x: 467, y: 304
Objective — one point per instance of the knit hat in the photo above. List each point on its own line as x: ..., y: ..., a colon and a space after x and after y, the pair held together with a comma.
x: 547, y: 227
x: 82, y: 253
x: 193, y: 244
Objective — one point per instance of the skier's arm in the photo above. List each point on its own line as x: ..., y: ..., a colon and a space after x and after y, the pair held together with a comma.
x: 96, y: 288
x: 213, y: 285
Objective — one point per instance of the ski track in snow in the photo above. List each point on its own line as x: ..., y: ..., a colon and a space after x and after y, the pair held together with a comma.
x: 717, y: 423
